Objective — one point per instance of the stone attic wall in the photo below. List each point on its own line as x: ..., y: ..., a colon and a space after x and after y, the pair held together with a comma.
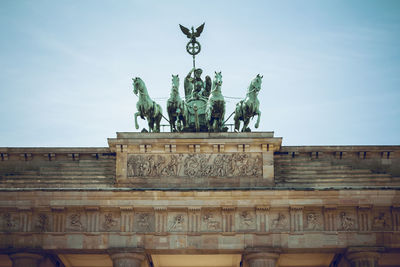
x: 294, y: 166
x: 56, y: 168
x: 337, y: 166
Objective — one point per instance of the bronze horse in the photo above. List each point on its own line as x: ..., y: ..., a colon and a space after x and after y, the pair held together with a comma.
x: 147, y: 108
x: 215, y: 110
x: 249, y: 107
x: 176, y: 107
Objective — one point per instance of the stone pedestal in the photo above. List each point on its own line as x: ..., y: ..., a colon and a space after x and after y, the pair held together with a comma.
x: 127, y: 259
x: 262, y: 259
x: 195, y: 160
x: 364, y: 257
x: 25, y: 259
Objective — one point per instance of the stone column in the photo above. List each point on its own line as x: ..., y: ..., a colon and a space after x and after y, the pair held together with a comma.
x: 125, y: 258
x: 25, y: 259
x: 262, y: 259
x: 364, y: 256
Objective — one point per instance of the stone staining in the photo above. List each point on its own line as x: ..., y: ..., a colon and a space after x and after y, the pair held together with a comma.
x: 195, y: 165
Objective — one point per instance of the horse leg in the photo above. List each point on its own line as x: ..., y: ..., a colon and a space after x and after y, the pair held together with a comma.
x: 158, y: 120
x: 237, y: 122
x: 136, y: 123
x: 221, y: 120
x: 258, y: 113
x: 245, y: 124
x: 151, y: 124
x: 215, y: 125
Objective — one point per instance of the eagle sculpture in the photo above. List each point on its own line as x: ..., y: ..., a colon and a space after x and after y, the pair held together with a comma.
x: 193, y: 34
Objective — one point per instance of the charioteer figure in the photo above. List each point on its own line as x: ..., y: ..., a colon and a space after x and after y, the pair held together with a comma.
x: 195, y: 87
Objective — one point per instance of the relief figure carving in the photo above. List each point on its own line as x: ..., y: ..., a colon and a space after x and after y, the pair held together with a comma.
x: 195, y: 165
x: 42, y: 222
x: 313, y: 221
x: 246, y: 219
x: 380, y: 222
x: 10, y: 223
x: 280, y: 221
x: 211, y: 222
x: 347, y: 222
x: 109, y: 221
x: 178, y: 223
x: 75, y: 221
x: 144, y: 222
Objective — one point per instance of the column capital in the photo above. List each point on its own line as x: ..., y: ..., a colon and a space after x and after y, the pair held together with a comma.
x: 262, y: 257
x: 368, y: 256
x: 21, y: 259
x: 127, y: 257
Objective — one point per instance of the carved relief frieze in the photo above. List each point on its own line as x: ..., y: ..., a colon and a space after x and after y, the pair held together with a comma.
x: 247, y: 220
x: 211, y: 221
x: 195, y: 165
x: 347, y: 221
x: 110, y: 221
x: 279, y: 220
x: 10, y: 222
x: 42, y: 222
x: 381, y: 220
x: 144, y: 222
x: 196, y: 220
x: 313, y: 221
x: 75, y: 221
x: 177, y: 222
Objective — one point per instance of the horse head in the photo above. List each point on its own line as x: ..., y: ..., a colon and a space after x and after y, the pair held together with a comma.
x: 217, y: 80
x: 175, y: 83
x: 255, y: 84
x: 138, y: 85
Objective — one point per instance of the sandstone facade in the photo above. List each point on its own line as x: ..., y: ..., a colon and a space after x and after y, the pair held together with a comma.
x: 236, y: 196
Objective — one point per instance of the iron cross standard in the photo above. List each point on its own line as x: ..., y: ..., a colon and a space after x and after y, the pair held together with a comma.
x: 193, y: 47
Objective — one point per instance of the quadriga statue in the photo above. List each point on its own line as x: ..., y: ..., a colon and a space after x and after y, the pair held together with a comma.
x: 249, y: 107
x: 176, y: 107
x: 146, y: 107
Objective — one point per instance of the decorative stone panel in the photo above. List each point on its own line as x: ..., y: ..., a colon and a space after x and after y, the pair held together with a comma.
x: 201, y: 160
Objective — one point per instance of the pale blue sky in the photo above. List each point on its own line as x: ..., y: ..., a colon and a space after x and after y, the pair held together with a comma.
x: 331, y: 68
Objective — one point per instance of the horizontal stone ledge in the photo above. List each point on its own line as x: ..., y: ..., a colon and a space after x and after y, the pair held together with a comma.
x: 194, y: 251
x: 198, y: 135
x: 203, y: 189
x: 195, y: 243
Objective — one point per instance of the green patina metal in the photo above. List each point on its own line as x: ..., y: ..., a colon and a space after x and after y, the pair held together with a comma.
x: 146, y: 107
x: 203, y: 108
x: 249, y: 107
